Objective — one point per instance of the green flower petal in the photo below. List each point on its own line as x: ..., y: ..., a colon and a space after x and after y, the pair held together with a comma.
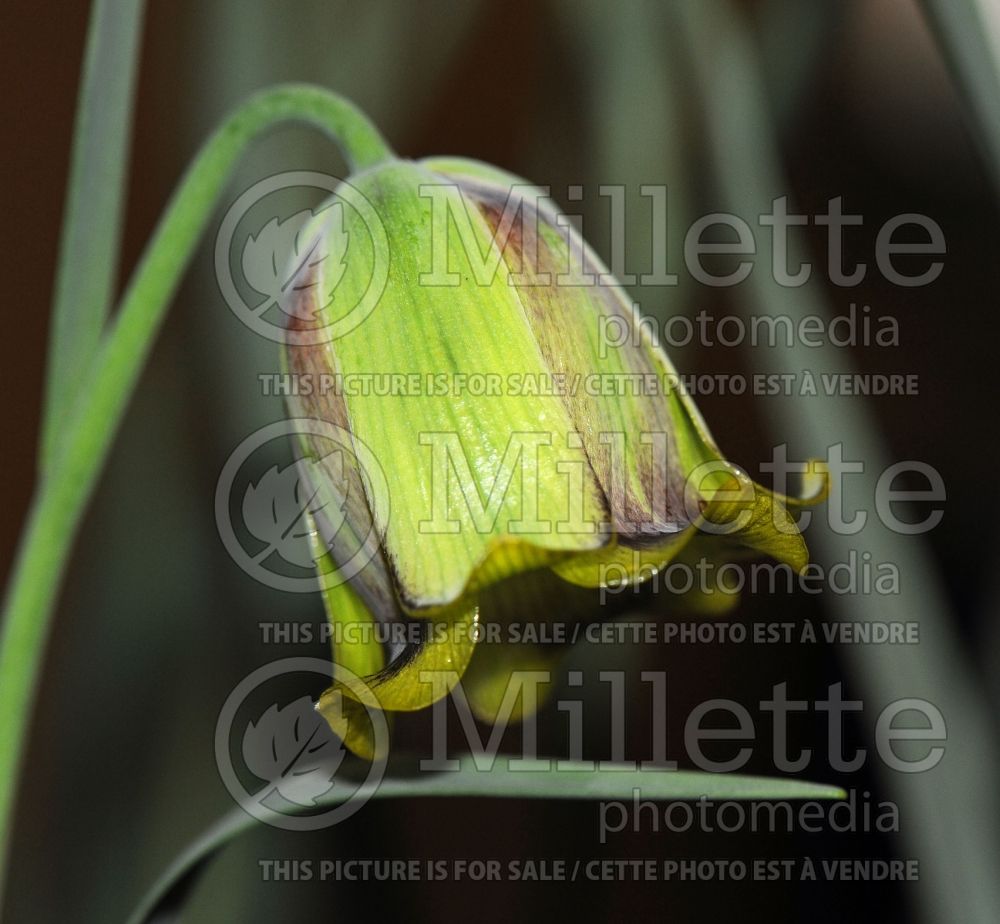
x: 420, y: 675
x: 356, y: 645
x: 470, y: 442
x: 513, y: 614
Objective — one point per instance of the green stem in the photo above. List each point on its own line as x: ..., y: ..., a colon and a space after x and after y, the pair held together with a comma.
x: 59, y: 503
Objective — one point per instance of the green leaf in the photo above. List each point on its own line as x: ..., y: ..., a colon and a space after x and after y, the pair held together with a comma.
x: 968, y: 31
x: 746, y: 175
x: 92, y: 227
x: 170, y: 891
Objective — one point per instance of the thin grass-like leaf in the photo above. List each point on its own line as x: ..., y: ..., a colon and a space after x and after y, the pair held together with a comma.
x: 969, y: 34
x: 957, y: 880
x: 166, y: 898
x: 92, y: 225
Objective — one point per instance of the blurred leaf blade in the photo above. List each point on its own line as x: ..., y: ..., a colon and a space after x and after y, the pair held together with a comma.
x: 92, y: 225
x: 746, y: 172
x: 573, y: 780
x: 969, y: 33
x: 794, y: 41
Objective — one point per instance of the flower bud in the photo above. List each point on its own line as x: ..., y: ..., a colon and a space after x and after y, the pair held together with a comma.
x: 526, y: 463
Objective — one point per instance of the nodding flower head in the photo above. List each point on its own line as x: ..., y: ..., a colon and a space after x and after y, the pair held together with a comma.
x: 525, y: 462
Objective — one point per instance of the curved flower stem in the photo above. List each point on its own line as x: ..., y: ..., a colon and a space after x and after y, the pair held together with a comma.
x: 62, y: 495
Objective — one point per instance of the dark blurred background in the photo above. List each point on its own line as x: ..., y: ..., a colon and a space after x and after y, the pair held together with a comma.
x: 156, y: 624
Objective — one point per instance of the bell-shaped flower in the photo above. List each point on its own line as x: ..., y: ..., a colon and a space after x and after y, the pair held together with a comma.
x: 523, y: 461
